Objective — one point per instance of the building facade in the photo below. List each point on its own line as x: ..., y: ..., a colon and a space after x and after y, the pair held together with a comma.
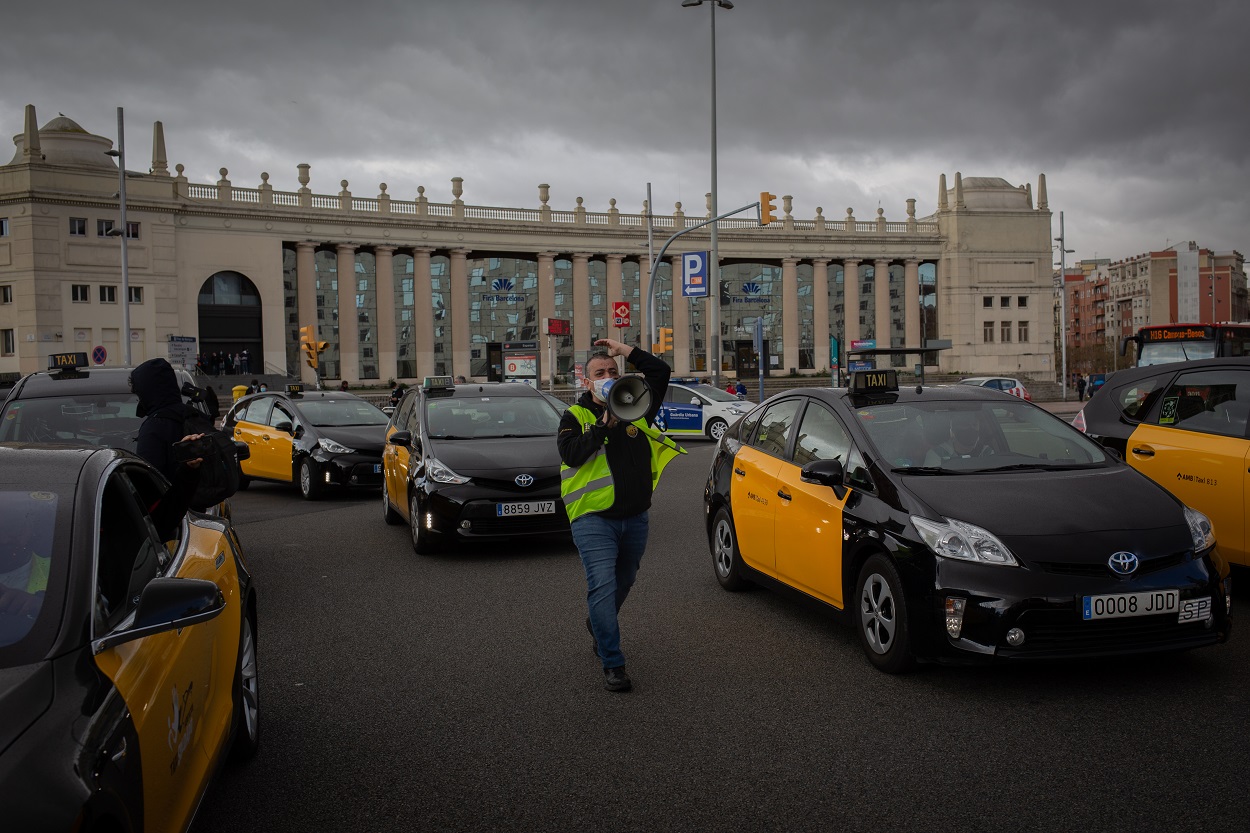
x: 401, y: 289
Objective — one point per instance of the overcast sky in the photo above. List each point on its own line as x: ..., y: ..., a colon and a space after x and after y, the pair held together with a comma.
x: 1135, y: 110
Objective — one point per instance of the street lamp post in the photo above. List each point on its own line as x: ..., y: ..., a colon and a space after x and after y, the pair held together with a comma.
x: 1064, y: 251
x: 713, y: 296
x: 120, y: 153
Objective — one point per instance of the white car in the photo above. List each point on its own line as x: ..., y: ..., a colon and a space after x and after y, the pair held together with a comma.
x: 1004, y: 383
x: 694, y: 410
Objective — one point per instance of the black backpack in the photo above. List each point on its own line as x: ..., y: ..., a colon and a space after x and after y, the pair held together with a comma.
x: 219, y: 473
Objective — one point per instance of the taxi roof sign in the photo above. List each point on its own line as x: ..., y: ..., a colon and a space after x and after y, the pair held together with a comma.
x: 72, y: 361
x: 437, y: 382
x: 874, y: 381
x: 294, y: 389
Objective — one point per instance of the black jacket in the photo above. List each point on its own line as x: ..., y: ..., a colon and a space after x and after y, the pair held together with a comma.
x: 629, y: 458
x: 165, y: 423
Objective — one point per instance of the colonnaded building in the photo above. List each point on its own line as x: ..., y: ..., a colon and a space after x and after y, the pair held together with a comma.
x: 440, y: 287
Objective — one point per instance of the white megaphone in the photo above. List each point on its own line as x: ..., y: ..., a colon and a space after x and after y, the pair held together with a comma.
x: 628, y: 397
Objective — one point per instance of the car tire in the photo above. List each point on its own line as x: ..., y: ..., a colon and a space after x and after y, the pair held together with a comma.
x: 422, y: 540
x: 309, y: 486
x: 716, y: 429
x: 726, y: 560
x: 389, y: 514
x: 246, y: 741
x: 881, y: 616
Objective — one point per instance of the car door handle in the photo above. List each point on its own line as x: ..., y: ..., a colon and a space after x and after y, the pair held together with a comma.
x: 739, y: 472
x: 1145, y: 452
x: 782, y: 495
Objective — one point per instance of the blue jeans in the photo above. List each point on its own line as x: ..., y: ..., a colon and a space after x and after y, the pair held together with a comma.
x: 611, y: 550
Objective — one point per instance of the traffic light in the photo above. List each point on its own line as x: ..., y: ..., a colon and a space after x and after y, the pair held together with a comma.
x: 312, y: 347
x: 767, y: 208
x: 666, y: 340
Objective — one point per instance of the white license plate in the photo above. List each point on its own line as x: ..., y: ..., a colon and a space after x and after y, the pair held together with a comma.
x: 1195, y: 610
x: 1120, y: 605
x: 528, y: 507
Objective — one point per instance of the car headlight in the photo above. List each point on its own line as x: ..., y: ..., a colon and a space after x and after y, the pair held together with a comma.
x: 333, y: 447
x: 1200, y: 528
x: 439, y: 473
x: 957, y: 539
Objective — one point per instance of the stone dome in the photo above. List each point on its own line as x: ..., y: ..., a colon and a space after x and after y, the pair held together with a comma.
x: 991, y: 193
x: 64, y: 142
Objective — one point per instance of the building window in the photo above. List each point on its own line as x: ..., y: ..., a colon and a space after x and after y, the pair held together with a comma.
x: 78, y: 226
x: 103, y: 227
x: 987, y: 302
x: 1022, y: 331
x: 80, y: 293
x: 1004, y: 301
x: 4, y: 226
x: 987, y: 332
x: 6, y: 294
x: 1006, y: 332
x: 136, y: 294
x: 1022, y: 301
x: 108, y: 295
x: 8, y: 343
x: 132, y: 231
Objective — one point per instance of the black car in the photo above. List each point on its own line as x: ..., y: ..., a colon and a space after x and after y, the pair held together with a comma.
x: 955, y: 523
x: 314, y: 439
x: 1185, y: 426
x: 472, y: 461
x: 127, y: 665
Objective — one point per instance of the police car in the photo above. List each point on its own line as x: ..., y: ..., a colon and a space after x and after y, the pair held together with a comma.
x: 692, y: 409
x: 315, y: 439
x: 914, y: 513
x: 473, y: 461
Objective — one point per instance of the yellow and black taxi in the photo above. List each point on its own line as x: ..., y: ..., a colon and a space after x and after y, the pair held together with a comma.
x: 127, y: 664
x: 957, y: 524
x: 315, y: 439
x: 472, y: 462
x: 1184, y: 425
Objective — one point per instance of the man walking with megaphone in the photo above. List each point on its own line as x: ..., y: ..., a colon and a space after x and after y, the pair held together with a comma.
x: 612, y: 457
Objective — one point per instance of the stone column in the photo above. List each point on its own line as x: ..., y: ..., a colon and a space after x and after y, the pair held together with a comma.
x: 790, y: 313
x: 581, y: 304
x: 306, y: 299
x: 850, y: 301
x: 546, y: 287
x: 616, y: 292
x: 680, y: 358
x: 349, y: 324
x: 461, y: 359
x: 423, y: 311
x: 881, y: 289
x: 911, y: 302
x: 820, y: 312
x: 384, y: 331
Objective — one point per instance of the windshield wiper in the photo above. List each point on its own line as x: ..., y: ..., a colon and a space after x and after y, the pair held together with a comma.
x: 926, y: 470
x: 1043, y: 467
x: 449, y: 437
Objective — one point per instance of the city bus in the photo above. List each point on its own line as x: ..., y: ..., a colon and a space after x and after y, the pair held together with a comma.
x: 1164, y: 343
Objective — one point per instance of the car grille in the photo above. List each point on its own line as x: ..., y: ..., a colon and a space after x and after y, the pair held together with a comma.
x: 531, y: 525
x: 510, y: 486
x: 363, y: 475
x: 1111, y: 635
x: 1101, y: 570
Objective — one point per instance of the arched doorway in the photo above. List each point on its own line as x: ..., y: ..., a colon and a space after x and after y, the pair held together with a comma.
x: 229, y: 314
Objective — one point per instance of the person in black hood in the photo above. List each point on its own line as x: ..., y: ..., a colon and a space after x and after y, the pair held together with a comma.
x: 165, y: 417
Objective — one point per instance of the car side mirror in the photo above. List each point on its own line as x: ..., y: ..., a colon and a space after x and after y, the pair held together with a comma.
x: 168, y: 604
x: 403, y: 439
x: 284, y: 427
x: 696, y: 402
x: 298, y: 432
x: 825, y: 473
x: 242, y: 451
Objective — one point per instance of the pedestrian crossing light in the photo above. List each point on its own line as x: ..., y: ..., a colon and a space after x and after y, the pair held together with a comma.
x: 767, y: 208
x: 666, y: 340
x: 312, y: 347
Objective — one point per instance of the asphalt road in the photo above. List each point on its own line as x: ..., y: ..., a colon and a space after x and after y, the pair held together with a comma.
x: 459, y: 692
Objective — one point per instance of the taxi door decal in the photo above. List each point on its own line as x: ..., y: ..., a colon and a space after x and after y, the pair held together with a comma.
x: 753, y: 497
x: 1206, y: 472
x: 809, y: 536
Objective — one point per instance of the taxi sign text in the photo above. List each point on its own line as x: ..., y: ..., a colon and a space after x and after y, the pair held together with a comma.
x: 867, y: 381
x: 56, y: 360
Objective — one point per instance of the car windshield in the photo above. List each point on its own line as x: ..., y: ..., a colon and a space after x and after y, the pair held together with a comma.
x: 941, y: 437
x: 490, y: 416
x: 107, y: 420
x: 31, y: 550
x: 714, y: 394
x: 1166, y: 352
x: 340, y: 413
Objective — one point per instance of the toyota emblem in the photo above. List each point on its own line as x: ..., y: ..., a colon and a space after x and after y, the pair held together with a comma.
x: 1122, y: 563
x: 526, y: 480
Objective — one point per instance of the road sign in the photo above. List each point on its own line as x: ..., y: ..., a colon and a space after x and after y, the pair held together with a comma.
x: 694, y: 274
x: 182, y: 351
x: 99, y: 355
x: 620, y: 313
x: 864, y: 344
x: 558, y: 326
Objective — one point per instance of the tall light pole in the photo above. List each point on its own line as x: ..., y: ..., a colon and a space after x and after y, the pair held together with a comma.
x: 1064, y: 251
x: 713, y: 295
x: 120, y: 153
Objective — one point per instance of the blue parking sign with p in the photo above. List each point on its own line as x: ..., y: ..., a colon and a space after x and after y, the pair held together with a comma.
x: 694, y: 274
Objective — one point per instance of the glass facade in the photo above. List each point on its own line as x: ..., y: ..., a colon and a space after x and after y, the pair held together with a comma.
x: 750, y: 291
x: 440, y: 298
x: 503, y: 305
x: 326, y: 271
x: 404, y: 286
x: 631, y: 285
x: 367, y: 313
x: 807, y: 323
x: 290, y: 312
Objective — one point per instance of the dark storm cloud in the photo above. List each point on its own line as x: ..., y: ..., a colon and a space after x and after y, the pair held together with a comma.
x: 1134, y: 110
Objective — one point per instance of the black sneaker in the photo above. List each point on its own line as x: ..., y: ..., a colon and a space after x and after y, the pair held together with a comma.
x: 594, y: 643
x: 615, y: 679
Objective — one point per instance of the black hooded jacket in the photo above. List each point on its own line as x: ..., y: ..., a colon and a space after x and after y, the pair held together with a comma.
x: 165, y: 423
